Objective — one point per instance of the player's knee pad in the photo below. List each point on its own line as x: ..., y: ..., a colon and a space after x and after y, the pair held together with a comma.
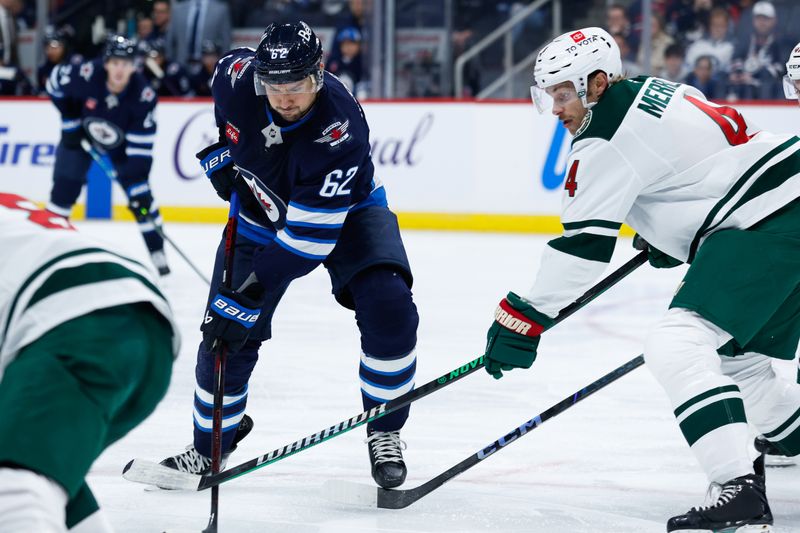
x: 385, y: 312
x: 682, y: 344
x: 30, y: 502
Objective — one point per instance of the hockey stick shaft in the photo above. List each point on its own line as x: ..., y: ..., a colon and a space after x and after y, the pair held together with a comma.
x: 409, y: 397
x: 111, y: 173
x: 399, y: 499
x: 220, y: 358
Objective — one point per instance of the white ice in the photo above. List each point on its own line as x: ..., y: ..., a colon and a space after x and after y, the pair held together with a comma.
x: 614, y: 463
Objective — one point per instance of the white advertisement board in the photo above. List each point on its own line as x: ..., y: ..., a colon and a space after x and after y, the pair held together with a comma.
x: 436, y: 158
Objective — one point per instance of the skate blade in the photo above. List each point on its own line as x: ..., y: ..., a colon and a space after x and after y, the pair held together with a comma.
x: 754, y: 528
x: 779, y: 461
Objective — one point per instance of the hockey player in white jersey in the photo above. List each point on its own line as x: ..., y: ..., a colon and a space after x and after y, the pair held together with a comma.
x: 791, y: 82
x: 86, y: 349
x: 703, y: 187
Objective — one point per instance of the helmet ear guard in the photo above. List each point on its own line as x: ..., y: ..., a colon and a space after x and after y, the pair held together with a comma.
x: 574, y: 57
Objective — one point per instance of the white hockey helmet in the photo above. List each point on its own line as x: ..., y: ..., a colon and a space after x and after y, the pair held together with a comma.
x: 572, y: 57
x: 790, y: 88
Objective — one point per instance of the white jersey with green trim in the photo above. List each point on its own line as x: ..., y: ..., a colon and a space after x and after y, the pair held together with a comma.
x: 53, y: 274
x: 673, y: 166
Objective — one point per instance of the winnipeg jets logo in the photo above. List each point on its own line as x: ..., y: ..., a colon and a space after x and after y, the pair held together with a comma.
x: 86, y: 71
x: 272, y: 205
x: 335, y: 134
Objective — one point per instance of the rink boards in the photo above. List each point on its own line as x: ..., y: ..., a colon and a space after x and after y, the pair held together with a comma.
x: 495, y: 166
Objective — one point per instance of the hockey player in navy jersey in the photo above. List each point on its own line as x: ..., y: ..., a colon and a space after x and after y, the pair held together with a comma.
x: 108, y: 103
x: 300, y: 143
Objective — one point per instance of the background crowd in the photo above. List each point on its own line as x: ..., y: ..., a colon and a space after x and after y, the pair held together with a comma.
x: 730, y: 49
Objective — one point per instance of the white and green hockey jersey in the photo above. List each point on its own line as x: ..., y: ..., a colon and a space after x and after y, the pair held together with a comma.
x: 673, y: 166
x: 52, y: 274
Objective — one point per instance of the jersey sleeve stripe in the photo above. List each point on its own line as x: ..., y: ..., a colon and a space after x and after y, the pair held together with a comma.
x: 139, y: 138
x: 307, y: 238
x: 138, y: 152
x: 70, y: 125
x: 586, y: 246
x: 592, y: 223
x: 593, y: 230
x: 67, y: 278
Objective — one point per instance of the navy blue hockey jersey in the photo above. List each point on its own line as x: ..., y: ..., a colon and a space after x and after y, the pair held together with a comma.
x: 80, y: 94
x: 319, y: 166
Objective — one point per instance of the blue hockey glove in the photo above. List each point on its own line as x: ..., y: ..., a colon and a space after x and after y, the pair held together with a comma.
x: 230, y: 316
x: 217, y: 163
x: 514, y: 336
x: 655, y: 257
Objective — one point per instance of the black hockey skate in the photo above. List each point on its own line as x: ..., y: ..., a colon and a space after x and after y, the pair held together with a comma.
x: 772, y: 455
x: 740, y: 508
x: 194, y: 462
x: 386, y: 457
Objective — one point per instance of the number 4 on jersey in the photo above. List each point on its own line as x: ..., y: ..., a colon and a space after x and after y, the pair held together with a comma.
x: 571, y: 184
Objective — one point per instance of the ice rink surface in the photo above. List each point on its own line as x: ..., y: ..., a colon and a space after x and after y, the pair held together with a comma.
x: 614, y: 463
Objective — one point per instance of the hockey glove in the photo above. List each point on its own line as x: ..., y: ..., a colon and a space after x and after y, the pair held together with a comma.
x: 140, y: 201
x: 72, y: 138
x: 655, y: 257
x: 231, y: 315
x: 217, y: 163
x: 514, y: 336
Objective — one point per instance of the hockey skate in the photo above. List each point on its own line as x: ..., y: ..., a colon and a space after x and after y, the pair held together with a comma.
x: 741, y: 507
x: 159, y: 259
x: 772, y: 455
x: 386, y: 457
x: 194, y: 462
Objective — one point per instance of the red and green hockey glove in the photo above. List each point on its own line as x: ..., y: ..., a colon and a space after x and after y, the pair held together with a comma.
x: 513, y: 338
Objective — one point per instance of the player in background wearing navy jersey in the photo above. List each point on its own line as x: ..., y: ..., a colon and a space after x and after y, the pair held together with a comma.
x: 300, y: 144
x: 107, y: 102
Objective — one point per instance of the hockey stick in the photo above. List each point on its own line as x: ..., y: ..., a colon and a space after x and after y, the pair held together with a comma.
x: 220, y: 358
x: 111, y: 173
x: 357, y: 493
x: 148, y: 472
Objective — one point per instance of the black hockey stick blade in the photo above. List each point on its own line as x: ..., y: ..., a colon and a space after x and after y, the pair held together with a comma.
x: 148, y: 472
x: 370, y: 496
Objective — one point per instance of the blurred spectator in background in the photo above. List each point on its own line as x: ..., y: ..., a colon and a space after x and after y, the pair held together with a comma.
x: 702, y: 77
x: 629, y: 67
x: 674, y: 64
x: 12, y: 80
x: 195, y: 21
x: 8, y: 30
x: 201, y: 74
x: 277, y: 11
x: 717, y: 44
x: 160, y: 15
x: 56, y: 50
x: 757, y: 66
x: 618, y: 23
x: 659, y: 42
x: 168, y: 78
x: 688, y: 18
x: 424, y: 76
x: 347, y: 64
x: 144, y: 28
